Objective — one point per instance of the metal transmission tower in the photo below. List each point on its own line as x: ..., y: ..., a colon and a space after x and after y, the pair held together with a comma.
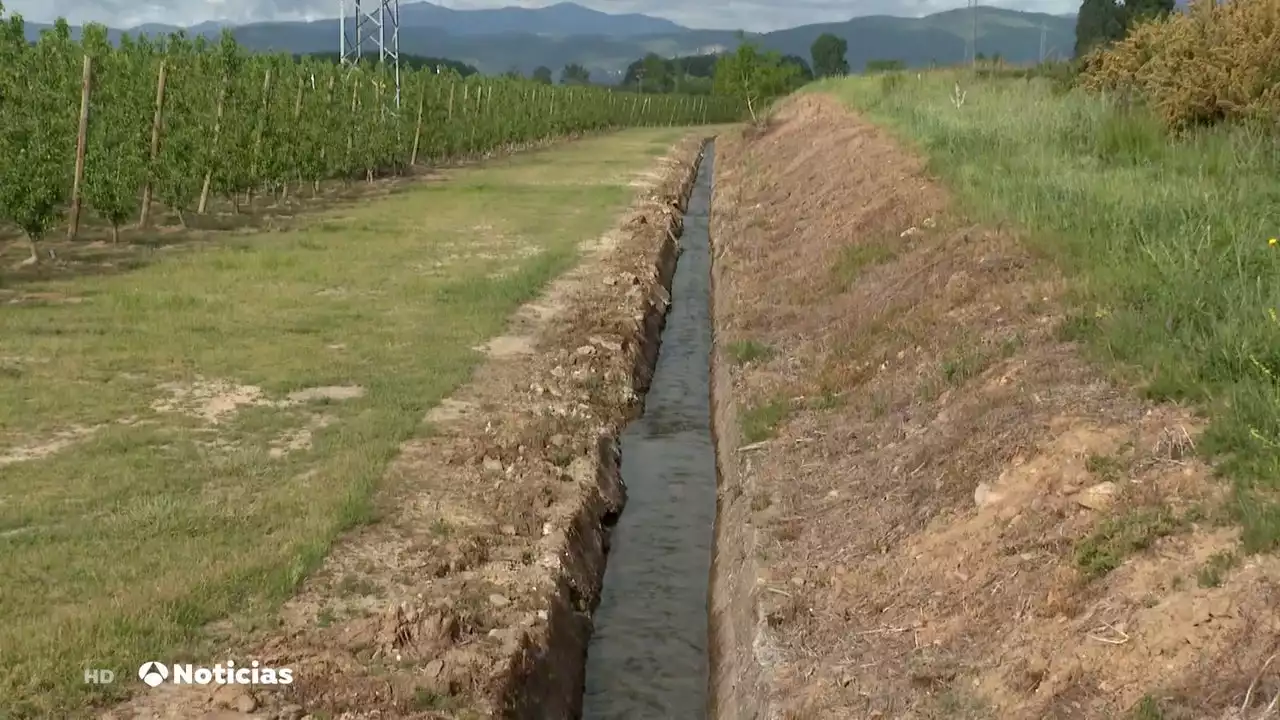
x: 372, y: 23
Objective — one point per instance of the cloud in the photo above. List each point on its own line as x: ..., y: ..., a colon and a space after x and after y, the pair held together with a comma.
x: 754, y: 15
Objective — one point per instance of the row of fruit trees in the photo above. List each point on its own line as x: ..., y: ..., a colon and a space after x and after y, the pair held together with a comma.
x: 111, y: 128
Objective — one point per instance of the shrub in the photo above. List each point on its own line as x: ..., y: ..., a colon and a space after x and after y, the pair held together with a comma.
x: 1214, y: 63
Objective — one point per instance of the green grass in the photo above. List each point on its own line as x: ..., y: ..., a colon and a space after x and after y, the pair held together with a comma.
x: 747, y: 351
x: 1119, y: 537
x: 760, y: 422
x: 1148, y: 708
x: 126, y: 543
x: 1165, y: 243
x: 1216, y: 568
x: 856, y: 258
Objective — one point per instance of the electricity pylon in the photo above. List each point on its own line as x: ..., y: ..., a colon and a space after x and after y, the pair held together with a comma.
x: 373, y: 23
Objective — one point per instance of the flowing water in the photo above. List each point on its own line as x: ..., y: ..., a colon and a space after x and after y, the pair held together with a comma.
x: 648, y: 653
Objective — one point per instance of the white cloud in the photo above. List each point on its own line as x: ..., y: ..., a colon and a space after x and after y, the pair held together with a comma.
x: 755, y: 15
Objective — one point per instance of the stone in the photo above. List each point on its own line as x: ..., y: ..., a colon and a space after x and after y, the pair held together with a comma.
x: 985, y: 495
x: 1099, y: 497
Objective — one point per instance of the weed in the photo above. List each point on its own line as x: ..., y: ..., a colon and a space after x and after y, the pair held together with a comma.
x: 424, y: 699
x: 856, y: 258
x: 747, y: 351
x: 1105, y: 467
x: 1216, y: 568
x: 963, y: 366
x: 761, y: 422
x: 355, y: 585
x: 1148, y: 708
x: 879, y: 405
x: 1117, y: 538
x: 828, y: 400
x: 760, y: 502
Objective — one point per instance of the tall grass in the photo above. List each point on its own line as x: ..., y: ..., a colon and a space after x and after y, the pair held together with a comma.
x: 1165, y: 243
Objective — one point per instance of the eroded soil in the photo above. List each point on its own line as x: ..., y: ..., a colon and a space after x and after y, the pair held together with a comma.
x: 471, y: 595
x: 930, y: 505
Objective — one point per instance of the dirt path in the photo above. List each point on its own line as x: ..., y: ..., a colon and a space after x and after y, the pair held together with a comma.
x: 471, y: 594
x: 930, y: 506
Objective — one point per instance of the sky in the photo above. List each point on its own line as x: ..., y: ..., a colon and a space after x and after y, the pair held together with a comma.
x: 752, y: 15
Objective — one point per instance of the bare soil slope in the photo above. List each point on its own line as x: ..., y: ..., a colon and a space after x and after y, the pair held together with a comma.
x: 930, y: 505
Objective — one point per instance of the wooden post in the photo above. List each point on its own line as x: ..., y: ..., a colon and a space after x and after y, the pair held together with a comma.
x: 297, y: 116
x: 351, y: 126
x: 257, y: 136
x: 145, y: 217
x: 217, y: 130
x: 382, y: 111
x: 82, y: 139
x: 324, y: 149
x: 417, y: 128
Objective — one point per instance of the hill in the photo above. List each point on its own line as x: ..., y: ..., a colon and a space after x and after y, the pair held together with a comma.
x: 495, y: 41
x: 942, y: 37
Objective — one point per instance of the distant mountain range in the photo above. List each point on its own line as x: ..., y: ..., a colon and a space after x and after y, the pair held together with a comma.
x: 519, y: 38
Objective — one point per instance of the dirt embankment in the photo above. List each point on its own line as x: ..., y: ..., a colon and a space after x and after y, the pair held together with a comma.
x: 930, y: 505
x: 471, y: 597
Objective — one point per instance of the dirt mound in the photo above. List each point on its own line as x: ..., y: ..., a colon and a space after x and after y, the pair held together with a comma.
x: 931, y: 506
x: 471, y: 597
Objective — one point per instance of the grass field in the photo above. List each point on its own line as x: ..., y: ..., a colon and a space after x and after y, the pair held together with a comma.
x: 183, y: 442
x: 1167, y: 243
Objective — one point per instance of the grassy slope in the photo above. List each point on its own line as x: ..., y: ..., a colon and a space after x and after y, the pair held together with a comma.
x: 124, y: 545
x: 1166, y: 243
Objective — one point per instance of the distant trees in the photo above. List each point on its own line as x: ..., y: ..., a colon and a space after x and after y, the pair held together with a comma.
x: 575, y: 74
x: 828, y: 53
x: 655, y: 75
x: 754, y: 77
x: 693, y: 74
x: 687, y: 74
x: 879, y: 66
x: 542, y: 74
x: 804, y: 73
x: 407, y: 61
x: 1101, y: 22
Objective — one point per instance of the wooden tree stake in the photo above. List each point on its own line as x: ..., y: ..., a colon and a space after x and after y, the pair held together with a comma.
x: 217, y: 130
x: 145, y: 217
x: 297, y: 117
x: 417, y: 128
x: 82, y: 140
x: 257, y: 136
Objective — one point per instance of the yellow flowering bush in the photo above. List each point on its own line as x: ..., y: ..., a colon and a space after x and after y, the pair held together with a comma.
x: 1217, y: 61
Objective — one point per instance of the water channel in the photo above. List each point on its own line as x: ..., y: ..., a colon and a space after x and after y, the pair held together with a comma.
x: 648, y: 654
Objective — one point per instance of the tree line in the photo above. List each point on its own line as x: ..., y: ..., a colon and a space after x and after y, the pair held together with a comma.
x: 1102, y: 22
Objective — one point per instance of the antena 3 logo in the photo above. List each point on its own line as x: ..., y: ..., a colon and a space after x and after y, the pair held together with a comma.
x: 155, y: 673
